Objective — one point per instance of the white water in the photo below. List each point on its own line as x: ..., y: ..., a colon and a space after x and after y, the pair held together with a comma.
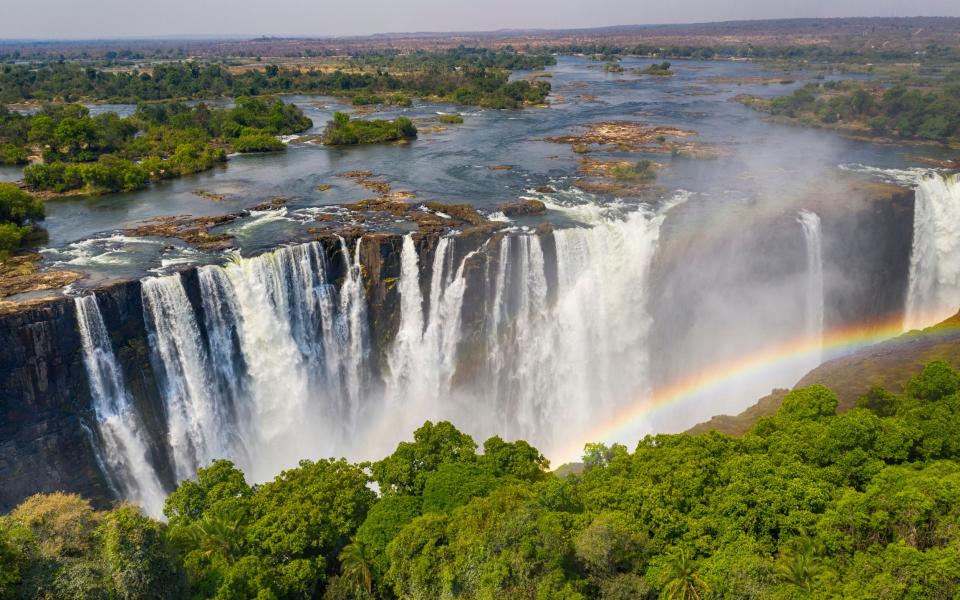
x: 275, y: 364
x: 193, y: 402
x: 810, y: 223
x: 121, y: 430
x: 934, y: 286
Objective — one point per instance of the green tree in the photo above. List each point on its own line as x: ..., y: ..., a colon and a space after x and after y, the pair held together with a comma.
x: 936, y: 381
x: 219, y: 482
x: 682, y: 580
x: 405, y: 471
x: 355, y: 567
x: 141, y: 562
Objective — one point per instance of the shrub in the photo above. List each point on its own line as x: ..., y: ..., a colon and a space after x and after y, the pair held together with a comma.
x: 17, y: 206
x: 259, y: 142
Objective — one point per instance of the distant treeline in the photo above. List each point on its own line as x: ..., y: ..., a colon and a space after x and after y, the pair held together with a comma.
x: 813, y: 53
x: 807, y: 504
x: 468, y: 77
x: 930, y: 112
x: 106, y: 153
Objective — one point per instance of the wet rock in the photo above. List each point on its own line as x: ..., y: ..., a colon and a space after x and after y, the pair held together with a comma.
x: 523, y: 208
x: 22, y: 274
x: 271, y: 204
x: 193, y: 230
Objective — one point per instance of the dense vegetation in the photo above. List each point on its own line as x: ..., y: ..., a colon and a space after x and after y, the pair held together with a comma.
x: 18, y: 211
x: 930, y: 112
x: 462, y: 75
x: 807, y: 504
x: 342, y: 130
x: 106, y: 153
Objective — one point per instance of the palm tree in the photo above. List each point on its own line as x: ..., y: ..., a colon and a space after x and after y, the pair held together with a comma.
x: 797, y: 566
x: 355, y: 568
x: 684, y: 583
x: 217, y: 533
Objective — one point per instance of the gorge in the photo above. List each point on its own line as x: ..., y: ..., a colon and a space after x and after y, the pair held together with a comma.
x: 339, y: 345
x: 335, y: 331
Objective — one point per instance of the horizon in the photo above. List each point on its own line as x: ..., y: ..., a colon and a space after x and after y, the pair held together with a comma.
x: 191, y: 37
x: 114, y: 20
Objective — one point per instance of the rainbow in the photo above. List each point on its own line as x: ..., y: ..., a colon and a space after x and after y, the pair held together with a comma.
x: 836, y: 342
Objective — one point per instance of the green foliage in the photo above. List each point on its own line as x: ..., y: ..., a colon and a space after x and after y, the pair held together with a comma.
x: 17, y: 206
x: 393, y: 76
x: 106, y: 154
x: 809, y: 503
x: 406, y: 470
x: 659, y: 69
x: 140, y: 560
x: 385, y: 519
x: 880, y: 401
x: 260, y: 142
x: 936, y: 381
x: 451, y: 119
x: 343, y: 130
x: 931, y: 112
x: 454, y: 484
x: 221, y: 482
x: 814, y: 402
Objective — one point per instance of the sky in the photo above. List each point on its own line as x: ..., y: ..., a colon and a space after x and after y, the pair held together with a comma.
x: 91, y: 19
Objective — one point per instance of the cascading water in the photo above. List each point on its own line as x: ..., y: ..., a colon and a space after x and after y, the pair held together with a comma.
x: 275, y: 364
x: 934, y: 286
x: 194, y: 405
x: 810, y: 223
x: 121, y: 430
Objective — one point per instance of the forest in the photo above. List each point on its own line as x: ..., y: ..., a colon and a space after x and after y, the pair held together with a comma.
x: 107, y: 153
x: 928, y: 110
x: 808, y: 504
x: 479, y: 77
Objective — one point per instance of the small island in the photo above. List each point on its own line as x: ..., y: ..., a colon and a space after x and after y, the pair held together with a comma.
x: 344, y: 131
x: 74, y: 152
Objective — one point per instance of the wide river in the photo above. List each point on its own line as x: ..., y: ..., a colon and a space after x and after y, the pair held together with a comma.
x: 453, y: 165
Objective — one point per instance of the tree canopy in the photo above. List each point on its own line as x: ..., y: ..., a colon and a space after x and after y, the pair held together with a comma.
x: 808, y: 503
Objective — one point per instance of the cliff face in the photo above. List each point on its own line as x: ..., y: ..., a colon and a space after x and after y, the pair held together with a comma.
x: 46, y: 436
x: 48, y: 433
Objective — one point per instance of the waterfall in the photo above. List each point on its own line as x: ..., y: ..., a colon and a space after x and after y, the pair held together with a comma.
x: 273, y: 361
x: 810, y: 223
x: 196, y: 428
x: 934, y: 283
x: 125, y: 451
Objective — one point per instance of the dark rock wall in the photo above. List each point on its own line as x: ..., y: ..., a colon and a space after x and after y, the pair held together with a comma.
x: 46, y: 439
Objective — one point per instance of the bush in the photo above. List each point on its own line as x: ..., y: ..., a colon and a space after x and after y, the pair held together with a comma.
x: 259, y: 142
x: 12, y: 155
x: 17, y: 206
x: 451, y: 119
x: 642, y: 170
x: 11, y: 236
x: 367, y: 100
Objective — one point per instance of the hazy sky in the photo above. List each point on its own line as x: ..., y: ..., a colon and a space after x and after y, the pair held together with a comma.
x: 137, y: 18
